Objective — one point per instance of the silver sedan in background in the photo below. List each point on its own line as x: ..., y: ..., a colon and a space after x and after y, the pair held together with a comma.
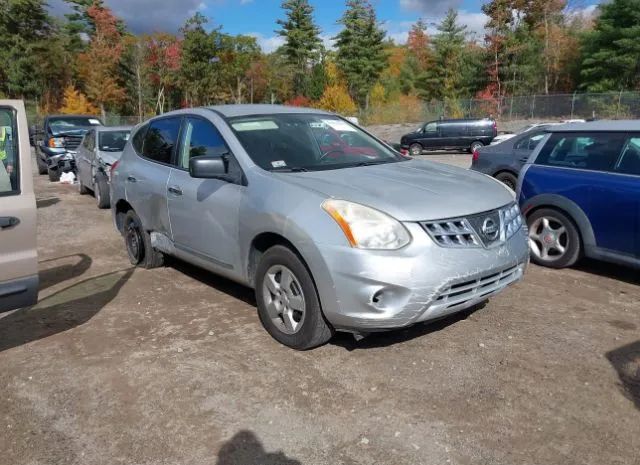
x: 332, y: 228
x: 100, y: 148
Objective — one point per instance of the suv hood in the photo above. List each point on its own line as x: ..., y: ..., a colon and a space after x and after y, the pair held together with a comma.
x: 414, y: 190
x: 79, y: 131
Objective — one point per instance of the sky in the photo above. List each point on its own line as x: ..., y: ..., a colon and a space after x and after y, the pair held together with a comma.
x: 258, y: 17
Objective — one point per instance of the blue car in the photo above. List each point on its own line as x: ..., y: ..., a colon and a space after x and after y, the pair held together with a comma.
x: 580, y: 194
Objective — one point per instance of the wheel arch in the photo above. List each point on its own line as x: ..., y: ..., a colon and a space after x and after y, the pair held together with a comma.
x: 120, y: 210
x: 569, y: 208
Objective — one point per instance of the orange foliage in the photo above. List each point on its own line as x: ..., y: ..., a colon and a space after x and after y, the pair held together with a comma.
x: 299, y: 101
x: 75, y: 102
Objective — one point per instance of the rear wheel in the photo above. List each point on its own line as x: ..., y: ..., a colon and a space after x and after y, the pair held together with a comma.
x: 508, y: 179
x: 288, y: 304
x: 138, y: 243
x: 553, y: 238
x: 101, y: 192
x: 415, y: 149
x: 476, y: 146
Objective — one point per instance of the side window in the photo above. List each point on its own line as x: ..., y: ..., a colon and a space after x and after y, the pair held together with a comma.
x: 529, y: 142
x: 138, y: 138
x: 201, y: 138
x: 596, y: 151
x: 629, y: 162
x: 8, y: 153
x: 160, y: 139
x: 431, y: 128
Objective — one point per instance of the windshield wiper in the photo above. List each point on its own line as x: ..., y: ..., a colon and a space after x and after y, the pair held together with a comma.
x: 289, y: 169
x: 371, y: 163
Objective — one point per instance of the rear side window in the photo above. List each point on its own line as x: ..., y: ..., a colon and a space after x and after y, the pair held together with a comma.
x: 8, y: 153
x: 529, y: 142
x: 629, y: 161
x: 161, y: 139
x: 138, y: 138
x: 588, y: 151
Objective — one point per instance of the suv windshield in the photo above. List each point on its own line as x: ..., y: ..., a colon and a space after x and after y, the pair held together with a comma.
x: 60, y: 124
x: 301, y: 142
x: 113, y: 141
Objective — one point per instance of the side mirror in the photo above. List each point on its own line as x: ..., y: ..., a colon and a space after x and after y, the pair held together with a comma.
x: 208, y: 167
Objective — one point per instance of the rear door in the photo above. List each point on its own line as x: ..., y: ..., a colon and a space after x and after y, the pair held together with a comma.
x: 523, y: 148
x: 18, y: 251
x: 83, y: 158
x: 453, y: 134
x: 146, y: 175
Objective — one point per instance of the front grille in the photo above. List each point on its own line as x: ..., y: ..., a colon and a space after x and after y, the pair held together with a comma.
x: 459, y: 293
x: 452, y: 233
x: 72, y: 142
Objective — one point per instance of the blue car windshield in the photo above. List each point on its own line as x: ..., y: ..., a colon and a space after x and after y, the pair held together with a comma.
x: 308, y: 142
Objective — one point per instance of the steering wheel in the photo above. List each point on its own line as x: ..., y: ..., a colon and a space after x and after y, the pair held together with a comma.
x: 330, y: 152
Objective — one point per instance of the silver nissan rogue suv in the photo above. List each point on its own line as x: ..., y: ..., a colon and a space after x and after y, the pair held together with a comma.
x: 332, y: 228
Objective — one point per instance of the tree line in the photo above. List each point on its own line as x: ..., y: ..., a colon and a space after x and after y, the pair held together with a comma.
x: 89, y: 62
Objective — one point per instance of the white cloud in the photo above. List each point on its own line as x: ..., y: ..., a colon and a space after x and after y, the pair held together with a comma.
x: 475, y: 22
x: 267, y: 44
x: 429, y: 7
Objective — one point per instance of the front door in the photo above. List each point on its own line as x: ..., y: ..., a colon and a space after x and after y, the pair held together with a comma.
x: 18, y: 250
x: 204, y: 212
x: 430, y: 138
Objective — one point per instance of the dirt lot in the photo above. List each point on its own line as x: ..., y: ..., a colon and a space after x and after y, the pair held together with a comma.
x: 171, y: 366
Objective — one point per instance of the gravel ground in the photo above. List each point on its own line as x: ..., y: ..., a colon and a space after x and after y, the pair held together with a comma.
x: 171, y: 366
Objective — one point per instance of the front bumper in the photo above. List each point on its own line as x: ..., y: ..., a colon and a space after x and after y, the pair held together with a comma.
x: 377, y: 290
x: 63, y: 162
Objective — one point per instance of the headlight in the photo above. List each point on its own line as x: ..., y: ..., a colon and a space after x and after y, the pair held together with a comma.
x: 366, y: 228
x: 56, y: 142
x: 512, y: 220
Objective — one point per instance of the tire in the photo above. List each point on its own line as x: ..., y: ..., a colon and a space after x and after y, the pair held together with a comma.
x: 54, y: 175
x: 42, y: 166
x: 138, y: 243
x: 553, y: 238
x: 415, y: 149
x: 101, y: 192
x: 82, y: 189
x: 508, y: 179
x: 475, y: 146
x: 306, y: 327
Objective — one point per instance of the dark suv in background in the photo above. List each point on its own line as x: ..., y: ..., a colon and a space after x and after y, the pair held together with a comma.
x: 60, y: 137
x: 454, y: 134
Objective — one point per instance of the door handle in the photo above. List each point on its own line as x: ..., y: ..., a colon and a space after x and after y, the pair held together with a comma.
x: 8, y: 222
x: 131, y: 179
x: 175, y: 190
x: 524, y: 160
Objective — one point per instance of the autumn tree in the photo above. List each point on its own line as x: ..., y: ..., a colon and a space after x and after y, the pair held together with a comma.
x: 75, y: 102
x: 98, y: 65
x: 360, y: 49
x: 163, y: 54
x: 337, y: 99
x: 302, y: 45
x: 418, y: 45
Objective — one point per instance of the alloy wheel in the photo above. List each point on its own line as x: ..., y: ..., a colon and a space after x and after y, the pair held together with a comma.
x: 284, y: 299
x: 548, y: 238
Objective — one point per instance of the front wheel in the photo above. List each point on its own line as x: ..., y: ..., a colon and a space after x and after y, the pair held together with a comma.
x: 508, y: 179
x: 138, y: 243
x: 553, y: 238
x: 42, y: 166
x: 54, y: 175
x: 415, y: 150
x: 288, y: 304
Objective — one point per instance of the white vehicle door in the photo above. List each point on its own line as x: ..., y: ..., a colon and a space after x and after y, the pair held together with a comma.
x: 18, y: 250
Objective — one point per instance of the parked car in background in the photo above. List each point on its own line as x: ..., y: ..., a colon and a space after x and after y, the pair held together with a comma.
x: 350, y: 237
x: 529, y: 127
x: 101, y: 147
x: 580, y: 192
x: 61, y: 136
x: 505, y: 160
x: 454, y: 134
x: 18, y: 251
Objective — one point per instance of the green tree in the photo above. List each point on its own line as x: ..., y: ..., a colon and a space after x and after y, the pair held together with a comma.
x: 302, y: 45
x: 444, y: 80
x: 611, y: 52
x: 360, y: 49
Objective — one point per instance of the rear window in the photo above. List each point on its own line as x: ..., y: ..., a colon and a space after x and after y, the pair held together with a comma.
x: 113, y: 141
x: 588, y: 151
x: 8, y: 153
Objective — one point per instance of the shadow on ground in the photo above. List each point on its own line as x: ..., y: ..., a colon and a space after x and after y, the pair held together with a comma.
x: 61, y: 311
x: 57, y: 274
x: 388, y: 338
x: 44, y: 203
x: 626, y: 361
x: 246, y: 449
x: 235, y: 290
x: 610, y: 270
